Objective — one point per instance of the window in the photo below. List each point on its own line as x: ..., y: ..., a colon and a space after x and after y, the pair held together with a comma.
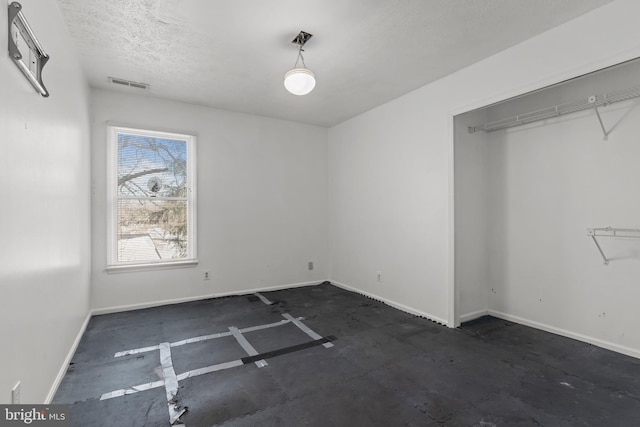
x: 151, y: 193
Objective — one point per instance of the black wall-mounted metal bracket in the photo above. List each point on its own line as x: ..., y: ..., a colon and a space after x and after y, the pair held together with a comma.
x: 32, y: 59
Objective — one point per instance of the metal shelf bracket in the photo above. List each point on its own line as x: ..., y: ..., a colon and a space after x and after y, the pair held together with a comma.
x: 593, y: 100
x: 629, y: 233
x: 606, y: 134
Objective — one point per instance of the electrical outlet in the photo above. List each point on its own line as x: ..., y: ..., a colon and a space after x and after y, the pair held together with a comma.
x: 379, y: 276
x: 15, y: 394
x: 310, y: 265
x: 205, y: 275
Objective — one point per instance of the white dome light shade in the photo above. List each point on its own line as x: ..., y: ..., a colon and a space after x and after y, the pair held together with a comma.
x: 299, y: 81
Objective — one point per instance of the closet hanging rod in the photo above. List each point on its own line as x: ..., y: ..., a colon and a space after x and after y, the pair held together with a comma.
x: 629, y: 233
x: 592, y: 101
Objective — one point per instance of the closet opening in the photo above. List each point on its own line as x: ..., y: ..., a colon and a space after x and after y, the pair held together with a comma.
x: 546, y: 209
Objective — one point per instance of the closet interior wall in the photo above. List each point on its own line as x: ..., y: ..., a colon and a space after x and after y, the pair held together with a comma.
x: 471, y: 201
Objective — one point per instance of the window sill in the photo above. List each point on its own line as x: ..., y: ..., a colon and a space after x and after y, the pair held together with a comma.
x: 132, y: 268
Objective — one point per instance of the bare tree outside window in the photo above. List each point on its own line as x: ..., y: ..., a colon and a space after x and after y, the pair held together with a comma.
x: 152, y: 198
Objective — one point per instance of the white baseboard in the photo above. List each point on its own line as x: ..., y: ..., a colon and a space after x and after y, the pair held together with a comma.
x: 391, y: 303
x: 565, y: 333
x: 473, y: 315
x: 65, y: 365
x: 129, y: 307
x: 139, y: 306
x: 268, y: 288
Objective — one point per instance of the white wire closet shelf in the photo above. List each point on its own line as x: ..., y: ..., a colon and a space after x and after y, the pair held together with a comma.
x: 629, y: 233
x: 593, y: 101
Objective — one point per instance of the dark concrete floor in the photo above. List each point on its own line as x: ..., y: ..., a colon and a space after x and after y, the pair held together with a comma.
x: 386, y: 368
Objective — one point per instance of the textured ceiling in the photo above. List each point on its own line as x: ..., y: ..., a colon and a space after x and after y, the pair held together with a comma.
x: 233, y: 54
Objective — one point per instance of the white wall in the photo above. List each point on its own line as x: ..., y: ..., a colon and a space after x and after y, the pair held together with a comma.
x: 45, y: 216
x: 387, y: 207
x: 471, y: 198
x: 549, y: 182
x: 262, y: 202
x: 390, y: 169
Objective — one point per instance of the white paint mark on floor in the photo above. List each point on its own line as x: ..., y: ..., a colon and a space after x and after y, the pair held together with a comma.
x: 304, y: 328
x: 180, y: 377
x: 204, y: 338
x: 209, y: 369
x: 567, y: 384
x: 263, y: 298
x: 136, y: 351
x: 170, y: 381
x: 170, y: 385
x: 132, y: 390
x: 251, y: 351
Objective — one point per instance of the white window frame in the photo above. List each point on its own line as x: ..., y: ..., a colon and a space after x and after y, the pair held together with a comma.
x: 113, y: 265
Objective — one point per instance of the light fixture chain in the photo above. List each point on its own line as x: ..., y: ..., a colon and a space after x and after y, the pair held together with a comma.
x: 302, y: 57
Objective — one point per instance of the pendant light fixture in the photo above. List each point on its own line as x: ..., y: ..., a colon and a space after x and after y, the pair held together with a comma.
x: 300, y: 81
